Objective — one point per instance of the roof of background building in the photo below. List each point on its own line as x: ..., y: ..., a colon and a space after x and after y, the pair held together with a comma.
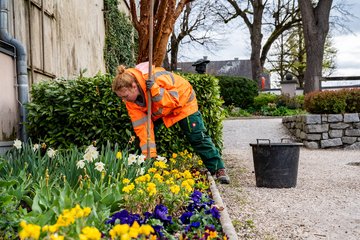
x: 233, y: 67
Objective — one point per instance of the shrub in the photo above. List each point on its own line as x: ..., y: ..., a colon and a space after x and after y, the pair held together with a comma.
x: 79, y: 111
x: 83, y: 110
x: 264, y: 99
x: 296, y: 102
x: 237, y: 91
x: 338, y: 101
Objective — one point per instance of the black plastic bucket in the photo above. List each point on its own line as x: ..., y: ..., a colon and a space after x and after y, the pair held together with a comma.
x: 276, y: 164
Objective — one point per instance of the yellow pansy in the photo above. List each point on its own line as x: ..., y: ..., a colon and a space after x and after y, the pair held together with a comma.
x: 126, y: 181
x: 146, y: 229
x: 175, y: 189
x: 128, y: 188
x: 29, y: 231
x: 91, y: 233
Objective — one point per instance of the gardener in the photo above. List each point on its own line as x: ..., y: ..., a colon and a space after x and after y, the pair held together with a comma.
x: 173, y: 100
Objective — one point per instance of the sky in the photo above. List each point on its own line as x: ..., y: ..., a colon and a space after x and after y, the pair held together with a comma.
x: 347, y: 45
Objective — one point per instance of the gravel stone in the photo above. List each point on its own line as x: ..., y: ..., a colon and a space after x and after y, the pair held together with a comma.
x: 323, y: 205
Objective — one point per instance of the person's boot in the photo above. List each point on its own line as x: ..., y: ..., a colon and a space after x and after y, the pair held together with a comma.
x: 221, y: 176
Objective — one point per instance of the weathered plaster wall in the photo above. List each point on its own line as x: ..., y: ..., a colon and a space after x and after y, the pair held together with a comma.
x: 61, y: 37
x: 8, y: 105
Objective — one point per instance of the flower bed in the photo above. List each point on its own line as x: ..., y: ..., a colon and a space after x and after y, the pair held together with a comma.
x: 87, y: 194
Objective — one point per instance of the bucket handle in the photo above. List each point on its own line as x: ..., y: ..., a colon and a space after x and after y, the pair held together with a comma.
x: 263, y: 139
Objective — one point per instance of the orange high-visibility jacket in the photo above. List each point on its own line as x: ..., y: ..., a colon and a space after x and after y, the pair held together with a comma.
x: 172, y: 99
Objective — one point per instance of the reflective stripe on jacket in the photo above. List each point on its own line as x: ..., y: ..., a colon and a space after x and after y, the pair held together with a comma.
x: 172, y: 99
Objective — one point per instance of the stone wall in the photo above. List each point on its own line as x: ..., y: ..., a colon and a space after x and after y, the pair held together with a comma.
x: 326, y: 130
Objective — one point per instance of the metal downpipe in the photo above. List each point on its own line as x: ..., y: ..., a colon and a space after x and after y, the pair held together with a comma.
x: 21, y: 66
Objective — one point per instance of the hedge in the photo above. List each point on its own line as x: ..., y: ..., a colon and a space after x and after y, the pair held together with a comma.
x: 83, y: 110
x: 332, y: 102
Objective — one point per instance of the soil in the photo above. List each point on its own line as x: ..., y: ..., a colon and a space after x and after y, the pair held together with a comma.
x: 325, y: 204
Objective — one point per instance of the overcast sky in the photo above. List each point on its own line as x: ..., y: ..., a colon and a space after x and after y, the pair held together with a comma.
x: 347, y: 44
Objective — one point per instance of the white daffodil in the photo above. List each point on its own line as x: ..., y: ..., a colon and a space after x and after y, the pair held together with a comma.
x: 36, y: 147
x: 91, y: 153
x: 87, y: 156
x: 142, y: 171
x: 51, y: 153
x: 132, y: 159
x: 140, y: 159
x: 99, y: 166
x: 80, y: 164
x: 161, y: 159
x: 17, y: 144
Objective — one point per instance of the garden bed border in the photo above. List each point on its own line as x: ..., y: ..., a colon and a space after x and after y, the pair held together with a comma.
x: 226, y: 223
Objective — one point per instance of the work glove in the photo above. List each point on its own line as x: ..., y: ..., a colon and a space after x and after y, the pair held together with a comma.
x: 149, y: 84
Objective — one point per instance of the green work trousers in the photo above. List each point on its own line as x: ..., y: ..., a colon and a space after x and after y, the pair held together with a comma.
x: 196, y: 133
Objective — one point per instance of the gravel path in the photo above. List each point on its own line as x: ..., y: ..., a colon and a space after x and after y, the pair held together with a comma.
x: 325, y: 204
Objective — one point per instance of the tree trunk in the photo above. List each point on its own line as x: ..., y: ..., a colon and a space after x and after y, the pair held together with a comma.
x: 174, y: 52
x: 166, y: 63
x: 256, y: 37
x: 165, y: 14
x: 316, y: 27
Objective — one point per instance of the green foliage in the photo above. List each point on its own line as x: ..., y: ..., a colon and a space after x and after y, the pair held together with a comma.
x: 119, y: 41
x: 12, y: 194
x: 273, y: 110
x: 264, y: 99
x: 46, y: 185
x: 232, y: 111
x: 296, y: 102
x: 330, y: 102
x: 237, y: 91
x: 42, y: 197
x: 267, y: 104
x: 80, y: 111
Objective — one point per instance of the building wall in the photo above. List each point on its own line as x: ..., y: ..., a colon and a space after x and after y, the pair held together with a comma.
x: 8, y: 105
x: 62, y: 38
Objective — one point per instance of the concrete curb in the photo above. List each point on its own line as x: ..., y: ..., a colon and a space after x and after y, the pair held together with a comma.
x: 228, y: 227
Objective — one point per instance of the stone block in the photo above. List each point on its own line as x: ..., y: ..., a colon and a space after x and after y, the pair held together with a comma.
x: 311, y: 145
x: 324, y: 118
x: 335, y: 118
x: 348, y: 140
x: 351, y: 117
x: 335, y: 133
x: 355, y: 146
x: 325, y: 135
x: 316, y: 128
x: 299, y: 125
x: 312, y: 119
x: 303, y: 135
x: 335, y: 142
x: 339, y: 125
x: 352, y: 132
x: 313, y: 137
